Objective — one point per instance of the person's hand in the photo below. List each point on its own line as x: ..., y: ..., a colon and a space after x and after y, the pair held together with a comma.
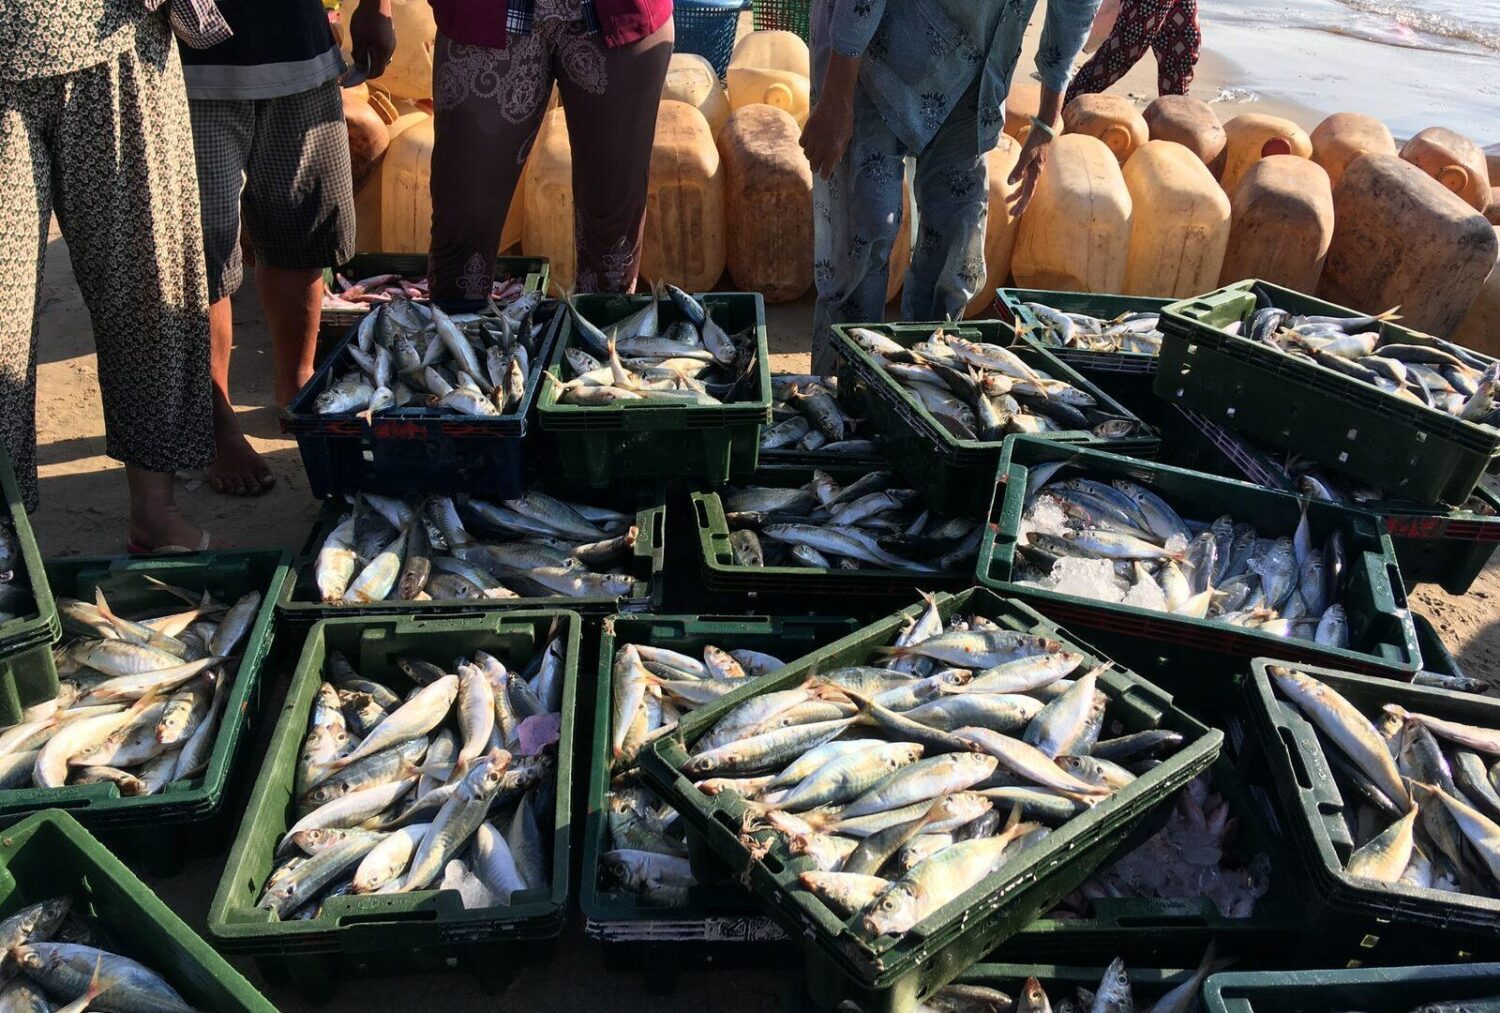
x: 372, y: 38
x: 829, y: 128
x: 1028, y: 170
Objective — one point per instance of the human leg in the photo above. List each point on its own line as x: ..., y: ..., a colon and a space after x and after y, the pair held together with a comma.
x: 856, y: 213
x: 299, y: 214
x: 1176, y: 47
x: 26, y: 113
x: 611, y: 97
x: 127, y: 200
x: 951, y: 189
x: 1137, y: 25
x: 489, y: 105
x: 223, y: 134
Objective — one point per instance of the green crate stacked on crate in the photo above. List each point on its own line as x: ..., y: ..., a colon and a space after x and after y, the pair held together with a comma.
x: 783, y: 588
x: 621, y: 443
x: 888, y: 974
x: 1171, y: 932
x: 27, y: 670
x: 1358, y: 920
x: 1413, y: 451
x: 1371, y: 989
x: 1434, y: 544
x: 159, y: 831
x: 720, y: 924
x: 333, y: 323
x: 1177, y: 649
x: 954, y: 472
x: 849, y: 401
x: 50, y: 855
x: 1125, y: 376
x: 395, y: 932
x: 300, y: 603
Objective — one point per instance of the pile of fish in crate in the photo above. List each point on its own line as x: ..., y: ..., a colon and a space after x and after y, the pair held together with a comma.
x: 944, y: 682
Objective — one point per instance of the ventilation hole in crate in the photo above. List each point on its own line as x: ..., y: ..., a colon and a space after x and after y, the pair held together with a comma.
x: 1343, y: 457
x: 1229, y: 412
x: 1369, y: 942
x: 1421, y: 436
x: 1352, y: 434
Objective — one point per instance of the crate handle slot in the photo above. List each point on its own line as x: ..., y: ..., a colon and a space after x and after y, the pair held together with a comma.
x: 1294, y: 758
x: 701, y: 508
x: 392, y: 917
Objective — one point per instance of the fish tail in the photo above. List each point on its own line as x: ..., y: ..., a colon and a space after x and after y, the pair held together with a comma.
x: 1389, y: 315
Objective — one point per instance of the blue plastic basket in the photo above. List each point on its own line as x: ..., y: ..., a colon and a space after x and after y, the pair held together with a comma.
x: 708, y: 27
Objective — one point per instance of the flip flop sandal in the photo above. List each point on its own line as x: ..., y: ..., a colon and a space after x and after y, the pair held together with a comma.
x: 137, y: 549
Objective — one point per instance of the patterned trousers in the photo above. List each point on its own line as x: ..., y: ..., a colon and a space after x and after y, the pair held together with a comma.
x: 110, y: 150
x: 858, y: 211
x: 489, y: 106
x: 1169, y: 27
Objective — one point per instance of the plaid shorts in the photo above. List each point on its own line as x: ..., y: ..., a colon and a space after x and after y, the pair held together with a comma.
x: 283, y: 164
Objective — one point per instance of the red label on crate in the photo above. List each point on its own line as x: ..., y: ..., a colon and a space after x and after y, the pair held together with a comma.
x: 400, y: 429
x: 1414, y: 526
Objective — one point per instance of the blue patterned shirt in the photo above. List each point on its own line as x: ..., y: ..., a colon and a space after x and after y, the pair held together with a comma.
x: 920, y: 56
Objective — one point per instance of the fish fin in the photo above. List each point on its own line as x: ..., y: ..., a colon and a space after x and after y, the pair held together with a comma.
x: 191, y: 597
x: 1389, y: 315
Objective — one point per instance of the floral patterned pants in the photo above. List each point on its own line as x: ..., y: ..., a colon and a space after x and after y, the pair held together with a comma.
x: 858, y: 212
x: 489, y: 106
x: 1170, y: 27
x: 110, y: 150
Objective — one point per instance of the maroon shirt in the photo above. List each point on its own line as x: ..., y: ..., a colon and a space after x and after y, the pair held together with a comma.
x: 482, y: 22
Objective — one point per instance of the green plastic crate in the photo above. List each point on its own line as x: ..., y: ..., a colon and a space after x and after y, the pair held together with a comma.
x: 1172, y: 932
x: 300, y: 603
x: 333, y: 323
x: 777, y: 587
x: 782, y: 16
x: 392, y: 933
x: 1147, y: 983
x: 1415, y: 452
x: 1128, y: 377
x: 50, y: 855
x: 1357, y: 920
x: 1435, y: 654
x: 955, y: 473
x: 720, y: 924
x: 850, y: 401
x: 159, y: 831
x: 1434, y: 544
x: 27, y: 671
x: 622, y: 443
x: 1177, y: 649
x: 892, y: 974
x: 1371, y: 989
x: 1105, y: 307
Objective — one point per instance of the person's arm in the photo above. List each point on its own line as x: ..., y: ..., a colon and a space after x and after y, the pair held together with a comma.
x: 1063, y: 34
x: 372, y: 37
x: 830, y: 123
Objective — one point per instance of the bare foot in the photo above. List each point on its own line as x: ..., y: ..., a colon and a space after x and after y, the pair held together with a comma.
x: 237, y: 470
